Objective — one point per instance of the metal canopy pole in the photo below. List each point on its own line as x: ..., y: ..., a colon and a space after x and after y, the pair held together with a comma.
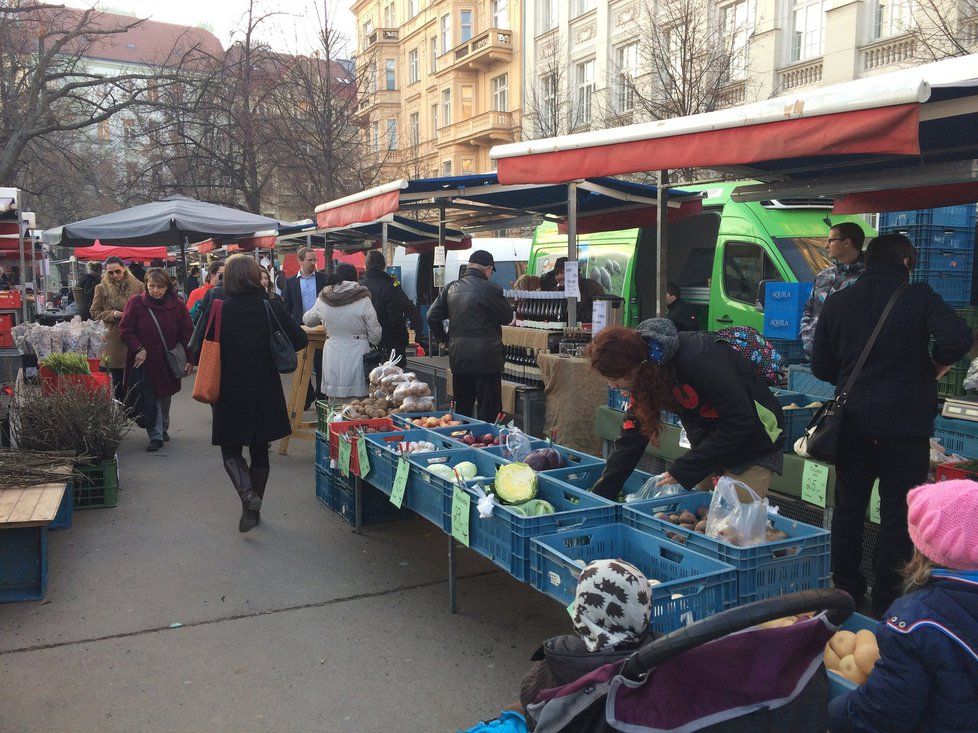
x: 34, y: 277
x: 572, y: 247
x: 662, y: 239
x: 183, y: 261
x: 23, y: 264
x: 384, y: 244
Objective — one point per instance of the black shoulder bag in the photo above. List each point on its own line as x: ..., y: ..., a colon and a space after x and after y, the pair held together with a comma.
x: 283, y: 353
x: 821, y: 439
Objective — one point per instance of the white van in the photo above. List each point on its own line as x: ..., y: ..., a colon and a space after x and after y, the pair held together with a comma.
x: 510, y: 253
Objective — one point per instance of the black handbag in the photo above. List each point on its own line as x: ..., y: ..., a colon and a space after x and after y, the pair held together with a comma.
x: 373, y: 359
x: 283, y: 352
x: 140, y: 398
x: 821, y: 439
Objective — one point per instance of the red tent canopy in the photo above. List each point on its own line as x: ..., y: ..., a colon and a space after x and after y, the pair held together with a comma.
x: 99, y: 251
x: 290, y: 265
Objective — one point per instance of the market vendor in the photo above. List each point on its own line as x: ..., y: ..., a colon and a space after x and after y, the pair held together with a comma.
x: 733, y: 422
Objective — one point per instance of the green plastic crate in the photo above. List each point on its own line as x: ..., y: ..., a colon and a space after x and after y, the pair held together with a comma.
x: 98, y: 485
x: 952, y: 383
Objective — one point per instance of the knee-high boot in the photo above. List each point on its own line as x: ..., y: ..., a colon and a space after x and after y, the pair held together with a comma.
x: 259, y: 478
x: 240, y: 477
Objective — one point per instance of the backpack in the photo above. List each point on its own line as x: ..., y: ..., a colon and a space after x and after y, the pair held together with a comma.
x: 767, y: 362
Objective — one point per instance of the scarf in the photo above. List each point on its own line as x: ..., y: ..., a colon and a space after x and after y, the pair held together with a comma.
x: 117, y: 294
x: 343, y: 293
x: 612, y: 606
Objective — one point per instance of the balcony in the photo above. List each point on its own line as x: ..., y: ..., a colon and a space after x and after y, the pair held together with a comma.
x: 804, y: 74
x: 888, y: 51
x: 380, y: 36
x: 969, y: 30
x: 733, y: 94
x: 488, y: 49
x: 486, y: 129
x: 380, y: 98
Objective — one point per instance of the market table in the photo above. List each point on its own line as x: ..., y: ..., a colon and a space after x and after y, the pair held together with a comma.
x: 302, y: 429
x: 25, y: 514
x: 574, y: 392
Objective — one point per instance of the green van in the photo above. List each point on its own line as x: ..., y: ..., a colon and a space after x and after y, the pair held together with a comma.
x: 720, y: 258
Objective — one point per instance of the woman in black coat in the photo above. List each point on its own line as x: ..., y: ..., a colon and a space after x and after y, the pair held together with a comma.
x: 251, y: 410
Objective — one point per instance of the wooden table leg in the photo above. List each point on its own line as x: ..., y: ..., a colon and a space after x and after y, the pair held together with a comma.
x: 297, y: 394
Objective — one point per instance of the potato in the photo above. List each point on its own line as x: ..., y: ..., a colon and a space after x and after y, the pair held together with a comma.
x: 849, y: 670
x: 674, y: 518
x: 867, y: 653
x: 700, y: 526
x: 843, y: 643
x: 702, y: 511
x: 687, y: 517
x: 831, y: 658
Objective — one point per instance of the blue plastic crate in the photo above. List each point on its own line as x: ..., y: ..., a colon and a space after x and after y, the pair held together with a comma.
x: 62, y: 520
x: 801, y: 562
x: 405, y: 418
x: 945, y: 216
x: 957, y: 436
x: 707, y: 586
x: 477, y: 429
x: 584, y: 477
x: 671, y: 418
x: 945, y: 260
x: 572, y: 457
x: 618, y: 399
x: 800, y: 379
x: 784, y: 297
x: 384, y: 453
x: 953, y: 287
x: 23, y: 564
x: 781, y: 325
x: 797, y: 419
x: 431, y: 496
x: 505, y: 537
x: 936, y: 237
x: 322, y: 451
x: 325, y: 489
x: 792, y: 350
x: 839, y: 685
x: 375, y: 506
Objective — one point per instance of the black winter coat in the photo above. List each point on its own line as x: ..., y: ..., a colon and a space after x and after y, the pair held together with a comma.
x: 252, y: 405
x: 683, y: 315
x: 721, y: 402
x: 477, y: 311
x: 896, y: 392
x: 392, y: 306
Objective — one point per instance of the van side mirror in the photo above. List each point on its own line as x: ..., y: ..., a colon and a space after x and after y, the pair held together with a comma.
x: 761, y: 293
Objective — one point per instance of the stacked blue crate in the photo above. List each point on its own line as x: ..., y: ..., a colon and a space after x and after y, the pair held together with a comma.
x: 783, y: 307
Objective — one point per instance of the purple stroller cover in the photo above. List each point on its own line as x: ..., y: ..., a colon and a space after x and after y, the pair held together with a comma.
x: 721, y: 680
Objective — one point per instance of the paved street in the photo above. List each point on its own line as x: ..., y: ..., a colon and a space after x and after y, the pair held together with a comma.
x: 160, y: 616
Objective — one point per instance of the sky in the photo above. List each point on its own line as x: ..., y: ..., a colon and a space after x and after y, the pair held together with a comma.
x: 291, y: 28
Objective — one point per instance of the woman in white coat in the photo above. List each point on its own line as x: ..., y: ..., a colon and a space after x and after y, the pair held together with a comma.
x: 345, y: 310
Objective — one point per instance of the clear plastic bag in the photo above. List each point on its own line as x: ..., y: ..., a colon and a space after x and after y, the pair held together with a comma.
x: 651, y: 490
x: 737, y: 514
x: 517, y: 443
x: 971, y: 379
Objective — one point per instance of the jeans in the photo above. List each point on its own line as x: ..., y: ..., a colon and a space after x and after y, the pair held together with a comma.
x: 900, y: 464
x: 162, y: 419
x: 487, y: 389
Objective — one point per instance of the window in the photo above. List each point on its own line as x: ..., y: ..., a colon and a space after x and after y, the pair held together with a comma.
x: 626, y: 68
x: 582, y: 6
x: 547, y: 124
x: 434, y: 121
x: 467, y: 97
x: 737, y: 26
x: 375, y: 136
x: 414, y: 70
x: 446, y: 107
x: 673, y: 43
x: 434, y: 56
x: 500, y: 92
x: 390, y: 76
x: 584, y: 79
x: 413, y: 8
x: 547, y: 14
x: 465, y: 22
x: 446, y: 167
x: 104, y: 131
x: 744, y: 267
x: 500, y: 13
x: 414, y: 129
x: 368, y: 30
x: 390, y: 16
x: 129, y: 129
x: 446, y: 33
x: 893, y: 17
x: 807, y: 26
x: 392, y: 134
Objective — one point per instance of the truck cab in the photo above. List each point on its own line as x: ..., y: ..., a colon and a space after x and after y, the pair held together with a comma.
x: 721, y: 258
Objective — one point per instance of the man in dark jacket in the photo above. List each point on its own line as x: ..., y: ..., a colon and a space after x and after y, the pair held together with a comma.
x: 590, y: 289
x: 86, y: 284
x: 477, y: 311
x: 889, y: 413
x: 300, y: 292
x: 680, y: 312
x: 391, y: 304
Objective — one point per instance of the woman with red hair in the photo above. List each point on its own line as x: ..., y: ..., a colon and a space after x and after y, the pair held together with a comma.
x: 732, y: 420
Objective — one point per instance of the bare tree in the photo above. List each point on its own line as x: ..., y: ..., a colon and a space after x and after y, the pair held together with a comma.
x: 549, y: 110
x: 47, y: 87
x: 942, y: 28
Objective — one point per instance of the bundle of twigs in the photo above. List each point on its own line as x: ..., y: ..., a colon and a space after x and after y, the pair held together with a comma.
x: 27, y: 468
x: 73, y: 419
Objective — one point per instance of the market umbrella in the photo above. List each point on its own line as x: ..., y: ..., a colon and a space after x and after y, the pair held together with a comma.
x: 99, y: 252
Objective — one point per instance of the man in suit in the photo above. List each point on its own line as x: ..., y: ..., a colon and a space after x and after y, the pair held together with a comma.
x: 300, y: 292
x: 299, y: 295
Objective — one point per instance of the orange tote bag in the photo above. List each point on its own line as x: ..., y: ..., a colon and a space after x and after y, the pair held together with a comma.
x: 207, y: 385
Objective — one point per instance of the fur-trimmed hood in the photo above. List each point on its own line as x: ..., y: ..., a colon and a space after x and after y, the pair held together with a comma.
x: 343, y: 293
x: 117, y: 294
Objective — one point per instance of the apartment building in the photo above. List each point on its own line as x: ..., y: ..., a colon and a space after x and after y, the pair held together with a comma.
x: 441, y: 82
x: 590, y: 52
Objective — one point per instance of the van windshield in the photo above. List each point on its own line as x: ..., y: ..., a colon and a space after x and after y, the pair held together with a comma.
x: 806, y: 256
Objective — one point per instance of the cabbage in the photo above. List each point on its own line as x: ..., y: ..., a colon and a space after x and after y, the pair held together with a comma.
x: 532, y: 508
x: 467, y: 470
x: 442, y: 471
x: 516, y: 483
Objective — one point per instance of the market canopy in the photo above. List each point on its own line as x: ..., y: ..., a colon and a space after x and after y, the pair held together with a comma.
x: 99, y: 252
x: 481, y: 202
x: 416, y: 236
x: 170, y: 221
x: 913, y: 133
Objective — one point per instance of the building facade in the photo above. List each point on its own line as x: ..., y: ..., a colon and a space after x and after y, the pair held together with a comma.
x: 585, y: 59
x: 441, y: 82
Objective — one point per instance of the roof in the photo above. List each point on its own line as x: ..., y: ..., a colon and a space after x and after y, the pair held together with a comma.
x: 878, y: 132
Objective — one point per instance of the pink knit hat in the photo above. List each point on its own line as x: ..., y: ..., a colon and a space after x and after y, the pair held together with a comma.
x: 943, y: 523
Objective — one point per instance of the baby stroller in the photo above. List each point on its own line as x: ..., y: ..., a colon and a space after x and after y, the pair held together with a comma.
x: 719, y: 675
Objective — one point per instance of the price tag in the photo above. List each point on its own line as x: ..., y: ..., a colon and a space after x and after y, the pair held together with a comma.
x: 874, y: 503
x: 572, y: 285
x: 572, y: 607
x: 400, y: 483
x: 684, y: 440
x: 344, y: 457
x: 363, y: 460
x: 460, y: 515
x: 814, y: 483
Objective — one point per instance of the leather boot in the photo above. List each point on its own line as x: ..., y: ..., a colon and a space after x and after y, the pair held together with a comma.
x: 237, y: 470
x: 259, y: 477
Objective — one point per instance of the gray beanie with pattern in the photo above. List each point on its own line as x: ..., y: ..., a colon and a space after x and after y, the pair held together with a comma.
x: 662, y: 338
